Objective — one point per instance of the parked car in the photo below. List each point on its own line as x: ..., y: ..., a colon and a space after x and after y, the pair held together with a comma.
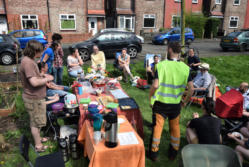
x: 110, y: 42
x: 8, y: 48
x: 235, y: 40
x: 23, y: 36
x: 173, y: 34
x: 121, y: 30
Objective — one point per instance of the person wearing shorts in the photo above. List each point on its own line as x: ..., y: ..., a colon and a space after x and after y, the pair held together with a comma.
x: 34, y: 91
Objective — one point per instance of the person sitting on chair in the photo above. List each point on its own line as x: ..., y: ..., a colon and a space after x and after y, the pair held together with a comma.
x: 124, y: 64
x: 193, y: 60
x: 52, y: 88
x: 98, y: 59
x: 203, y: 78
x: 151, y: 69
x: 74, y: 62
x: 206, y: 129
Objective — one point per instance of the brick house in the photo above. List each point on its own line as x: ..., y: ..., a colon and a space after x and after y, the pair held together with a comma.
x: 173, y: 11
x: 149, y: 15
x: 233, y: 13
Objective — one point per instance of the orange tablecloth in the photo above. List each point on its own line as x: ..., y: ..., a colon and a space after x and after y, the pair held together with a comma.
x: 134, y: 116
x: 120, y: 156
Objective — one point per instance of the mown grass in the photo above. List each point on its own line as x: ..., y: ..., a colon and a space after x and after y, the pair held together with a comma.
x: 229, y: 70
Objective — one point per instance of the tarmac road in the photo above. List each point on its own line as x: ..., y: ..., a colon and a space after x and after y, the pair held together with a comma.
x: 206, y: 48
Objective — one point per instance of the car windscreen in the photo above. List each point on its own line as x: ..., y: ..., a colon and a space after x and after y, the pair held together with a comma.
x: 234, y: 34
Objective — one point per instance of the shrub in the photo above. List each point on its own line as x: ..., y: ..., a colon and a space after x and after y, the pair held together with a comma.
x: 211, y: 27
x: 196, y: 23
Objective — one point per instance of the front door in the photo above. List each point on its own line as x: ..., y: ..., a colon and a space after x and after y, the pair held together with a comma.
x: 92, y: 24
x: 3, y: 25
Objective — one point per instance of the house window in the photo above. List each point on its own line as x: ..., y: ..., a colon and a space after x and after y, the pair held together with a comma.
x: 194, y: 1
x: 29, y: 21
x: 218, y: 2
x: 177, y: 0
x: 236, y: 2
x: 233, y: 23
x: 67, y: 22
x: 149, y: 21
x: 175, y: 21
x: 126, y: 22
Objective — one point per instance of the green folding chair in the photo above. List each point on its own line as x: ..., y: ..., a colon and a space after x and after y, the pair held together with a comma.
x: 207, y: 155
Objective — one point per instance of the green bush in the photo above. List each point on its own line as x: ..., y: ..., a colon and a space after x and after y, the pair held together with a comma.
x: 196, y: 23
x: 211, y: 27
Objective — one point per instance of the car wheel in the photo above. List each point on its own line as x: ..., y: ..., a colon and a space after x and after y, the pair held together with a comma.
x: 165, y: 42
x: 132, y: 51
x: 7, y: 58
x: 242, y: 47
x: 225, y: 49
x: 84, y: 54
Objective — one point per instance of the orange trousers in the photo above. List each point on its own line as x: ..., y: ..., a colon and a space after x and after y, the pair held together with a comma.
x: 174, y: 128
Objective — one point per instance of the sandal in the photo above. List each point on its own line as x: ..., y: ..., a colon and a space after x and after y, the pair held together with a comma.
x: 40, y: 149
x: 44, y: 139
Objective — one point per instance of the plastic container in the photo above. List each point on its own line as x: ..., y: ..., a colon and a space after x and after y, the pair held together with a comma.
x: 80, y: 90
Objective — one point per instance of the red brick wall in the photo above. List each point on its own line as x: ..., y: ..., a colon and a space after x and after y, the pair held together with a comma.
x: 174, y: 8
x: 71, y: 38
x: 246, y: 24
x: 14, y: 21
x: 2, y: 11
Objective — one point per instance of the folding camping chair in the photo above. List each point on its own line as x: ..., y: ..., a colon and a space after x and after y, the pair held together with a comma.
x: 50, y: 160
x: 208, y: 155
x: 149, y: 59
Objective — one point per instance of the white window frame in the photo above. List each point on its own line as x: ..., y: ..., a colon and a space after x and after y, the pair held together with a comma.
x: 172, y: 18
x: 236, y: 4
x: 132, y: 21
x: 30, y: 19
x: 218, y: 3
x: 150, y: 16
x: 237, y: 21
x: 177, y: 0
x: 68, y: 19
x: 195, y: 1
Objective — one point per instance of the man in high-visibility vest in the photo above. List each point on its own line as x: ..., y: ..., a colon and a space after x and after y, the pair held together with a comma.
x: 172, y: 77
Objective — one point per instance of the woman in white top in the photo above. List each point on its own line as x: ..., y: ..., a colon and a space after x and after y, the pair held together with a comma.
x: 74, y: 62
x: 124, y: 64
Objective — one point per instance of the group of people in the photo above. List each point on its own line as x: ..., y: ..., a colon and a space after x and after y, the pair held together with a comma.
x: 172, y: 79
x: 41, y: 74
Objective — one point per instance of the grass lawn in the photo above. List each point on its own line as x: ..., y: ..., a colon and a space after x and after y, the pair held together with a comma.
x: 229, y: 70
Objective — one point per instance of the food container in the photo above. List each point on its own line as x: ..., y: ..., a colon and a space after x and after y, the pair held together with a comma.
x: 57, y: 107
x: 71, y: 108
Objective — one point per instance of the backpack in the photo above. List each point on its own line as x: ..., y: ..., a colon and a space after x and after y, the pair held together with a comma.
x: 142, y: 84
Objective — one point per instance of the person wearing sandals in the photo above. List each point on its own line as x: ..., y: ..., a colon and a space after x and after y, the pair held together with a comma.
x: 34, y: 91
x: 74, y: 62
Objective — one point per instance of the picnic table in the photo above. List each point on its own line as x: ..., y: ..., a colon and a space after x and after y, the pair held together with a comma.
x: 134, y: 116
x: 122, y: 155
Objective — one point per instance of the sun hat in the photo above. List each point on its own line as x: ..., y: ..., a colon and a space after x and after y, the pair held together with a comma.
x: 204, y: 66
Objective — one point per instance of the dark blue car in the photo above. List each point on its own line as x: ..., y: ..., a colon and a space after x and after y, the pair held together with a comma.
x: 23, y: 36
x: 173, y: 34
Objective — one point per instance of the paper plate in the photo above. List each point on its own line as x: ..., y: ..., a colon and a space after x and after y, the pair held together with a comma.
x: 238, y: 134
x: 121, y: 120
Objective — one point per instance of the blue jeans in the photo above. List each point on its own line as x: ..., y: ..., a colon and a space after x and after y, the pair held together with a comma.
x: 58, y: 73
x: 74, y: 73
x: 52, y: 92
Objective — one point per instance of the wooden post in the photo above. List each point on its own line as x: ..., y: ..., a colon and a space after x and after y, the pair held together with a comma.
x: 183, y: 25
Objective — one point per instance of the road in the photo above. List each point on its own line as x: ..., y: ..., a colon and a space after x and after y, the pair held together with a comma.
x: 206, y: 48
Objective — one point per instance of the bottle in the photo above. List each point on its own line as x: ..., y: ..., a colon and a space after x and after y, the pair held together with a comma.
x: 73, y: 146
x: 64, y: 149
